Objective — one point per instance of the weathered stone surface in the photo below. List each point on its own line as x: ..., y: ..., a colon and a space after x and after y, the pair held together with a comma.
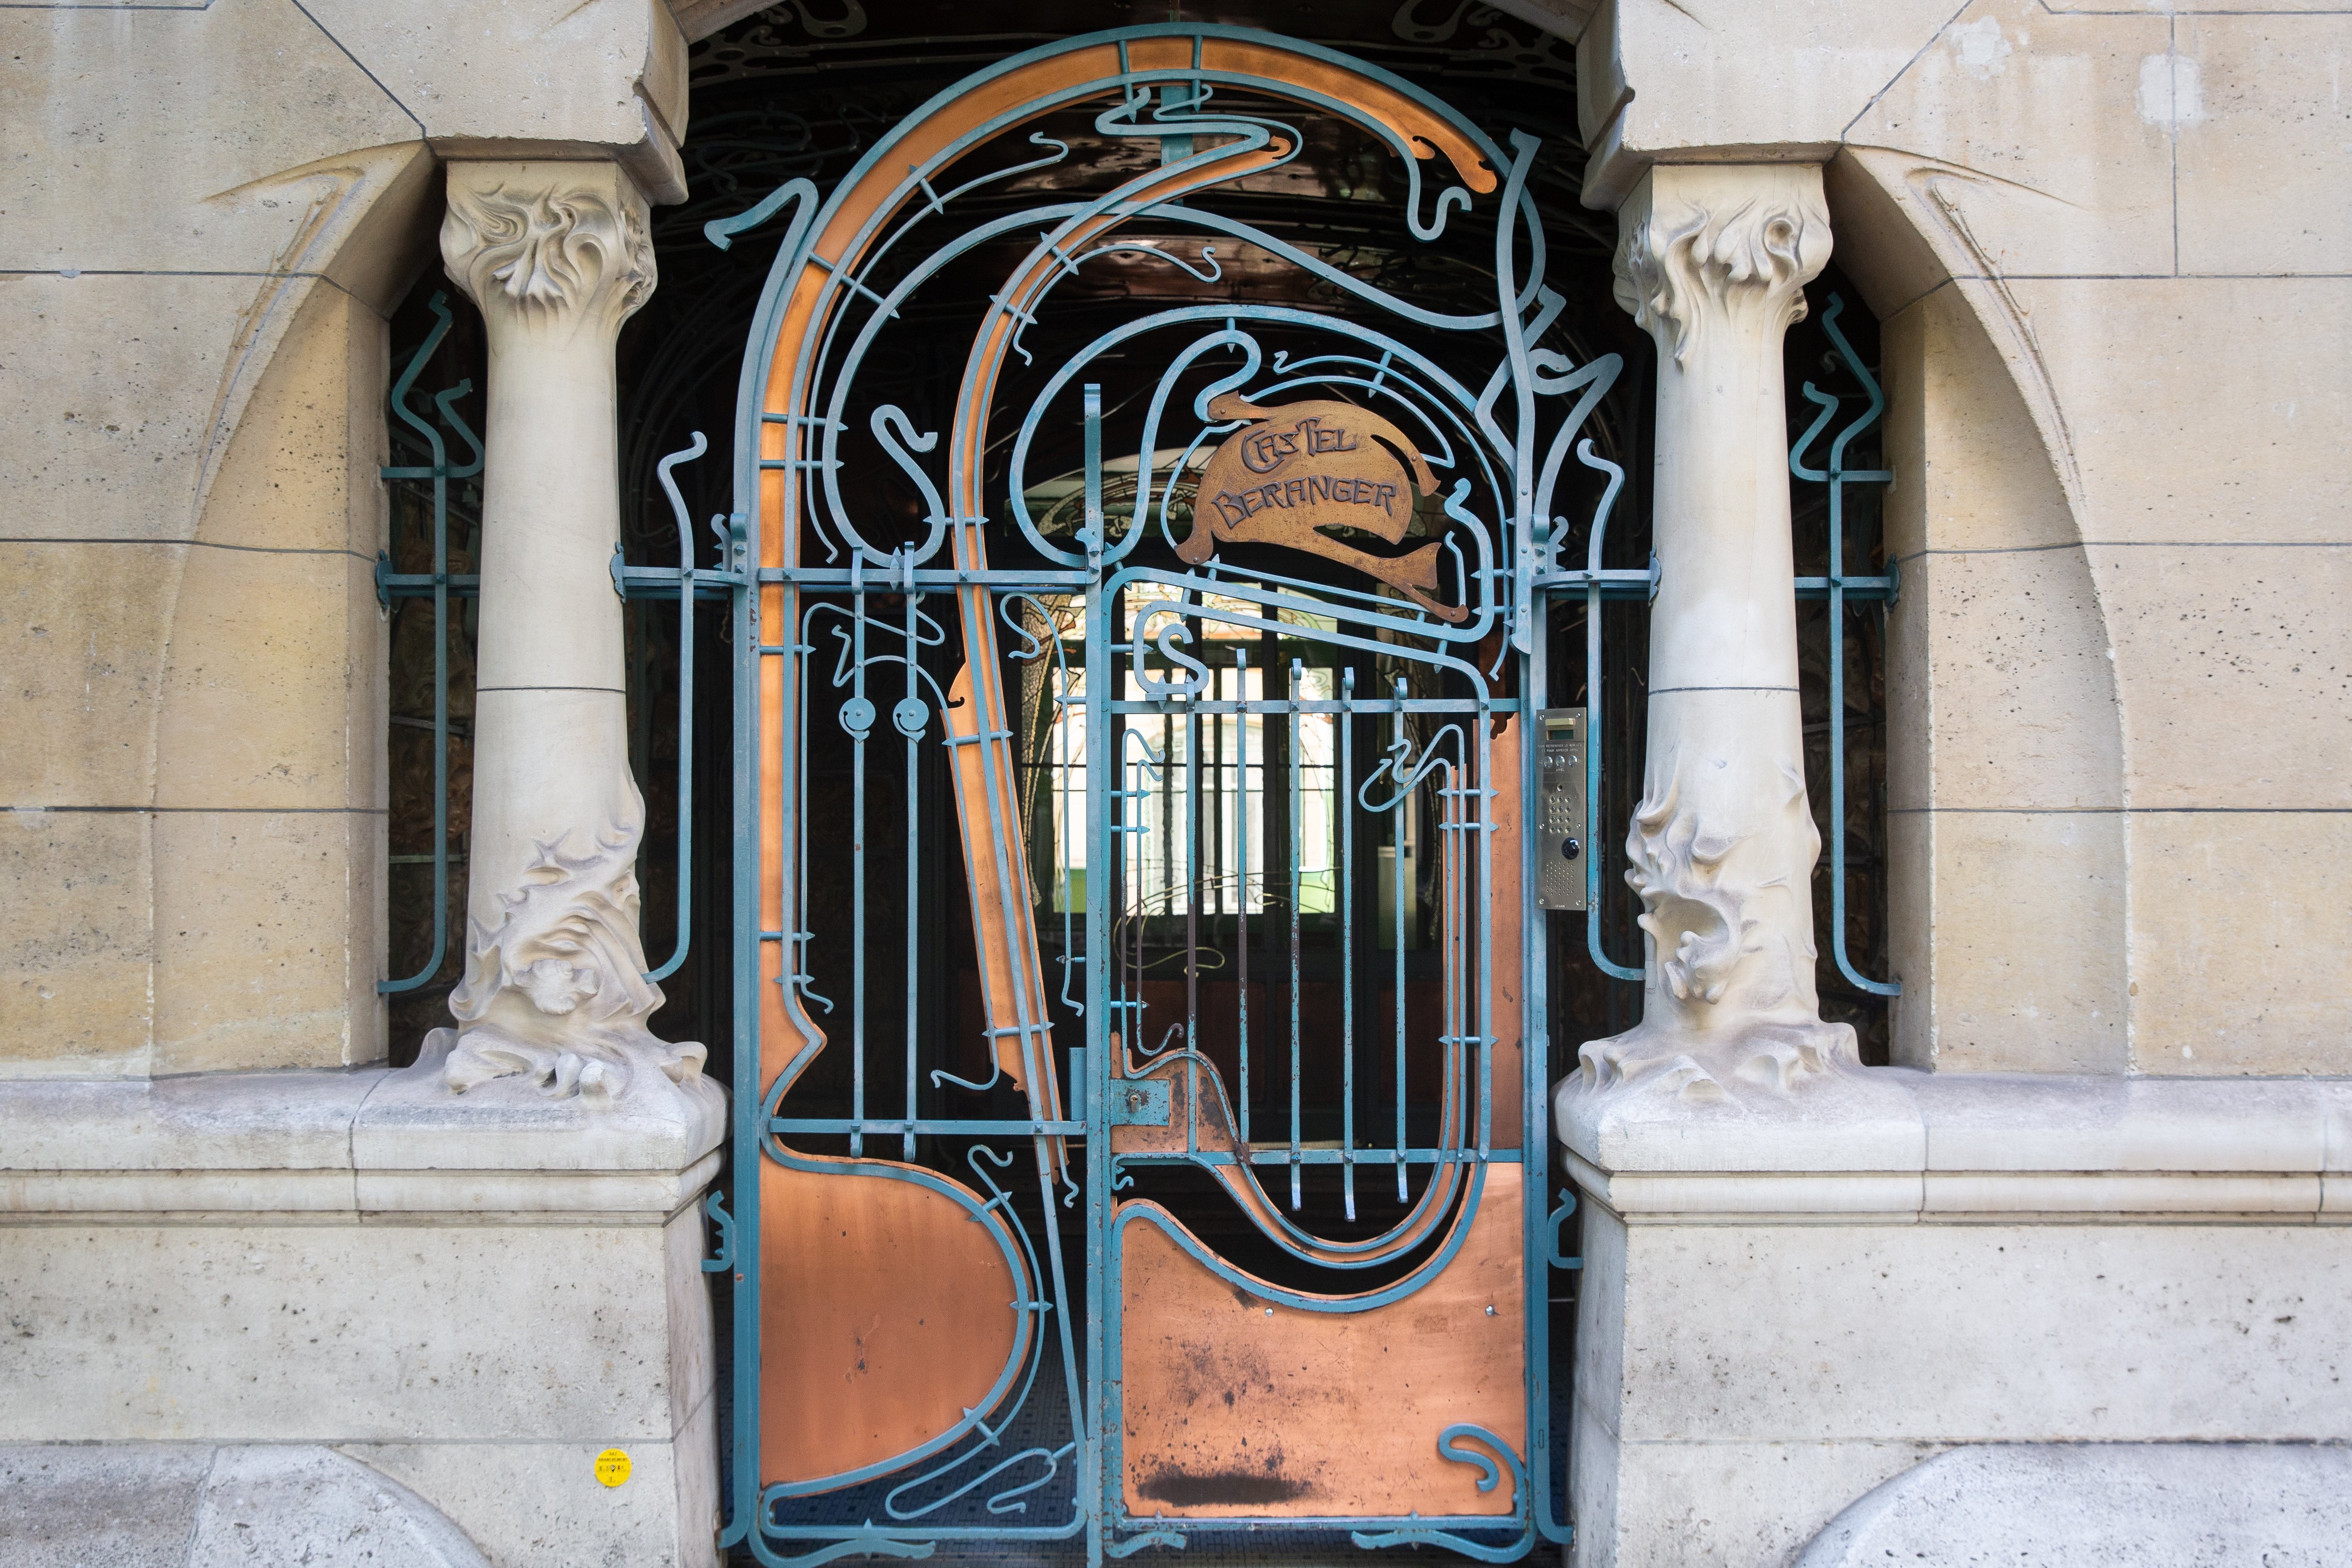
x: 2103, y: 1505
x: 2241, y: 942
x: 2016, y: 692
x: 78, y: 623
x: 274, y: 131
x: 170, y: 1505
x: 267, y: 1507
x: 2234, y: 663
x: 2190, y: 403
x: 2004, y: 972
x: 539, y: 1505
x: 267, y: 943
x: 77, y: 912
x: 128, y: 1505
x: 2270, y: 117
x: 2022, y: 134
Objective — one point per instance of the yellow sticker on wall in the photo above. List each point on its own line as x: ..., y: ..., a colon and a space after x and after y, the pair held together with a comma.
x: 613, y: 1466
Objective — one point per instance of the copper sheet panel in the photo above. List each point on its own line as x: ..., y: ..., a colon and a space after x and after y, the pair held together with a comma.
x: 885, y: 1314
x: 1304, y: 467
x: 1508, y: 983
x: 1237, y: 1408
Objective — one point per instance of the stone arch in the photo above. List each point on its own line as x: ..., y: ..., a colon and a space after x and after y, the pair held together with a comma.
x: 268, y: 833
x: 2006, y: 751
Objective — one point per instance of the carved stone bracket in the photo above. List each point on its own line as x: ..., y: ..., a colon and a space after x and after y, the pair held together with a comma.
x: 1713, y: 261
x: 554, y: 999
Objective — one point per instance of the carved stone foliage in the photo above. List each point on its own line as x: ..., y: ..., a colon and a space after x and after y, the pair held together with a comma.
x: 555, y: 991
x: 566, y: 251
x: 1720, y: 870
x: 1688, y: 266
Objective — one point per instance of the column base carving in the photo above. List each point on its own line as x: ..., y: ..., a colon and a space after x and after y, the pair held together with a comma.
x: 597, y: 1071
x: 1736, y: 1098
x: 1766, y: 1059
x: 555, y: 994
x: 623, y: 1081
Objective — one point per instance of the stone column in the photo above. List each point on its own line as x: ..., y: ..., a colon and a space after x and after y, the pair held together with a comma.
x: 556, y: 256
x: 1713, y: 260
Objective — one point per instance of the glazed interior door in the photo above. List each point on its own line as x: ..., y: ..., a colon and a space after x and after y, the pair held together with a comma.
x: 1137, y: 1140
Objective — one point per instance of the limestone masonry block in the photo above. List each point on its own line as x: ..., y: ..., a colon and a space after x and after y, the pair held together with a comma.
x: 267, y: 939
x: 2017, y: 706
x: 2102, y: 1505
x: 77, y: 922
x: 2234, y: 664
x: 265, y: 116
x: 2240, y: 943
x: 2192, y: 403
x: 79, y: 622
x: 2019, y: 133
x: 2024, y: 954
x: 2265, y: 113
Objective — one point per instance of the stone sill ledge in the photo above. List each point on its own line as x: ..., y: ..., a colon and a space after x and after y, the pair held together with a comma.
x: 1896, y: 1143
x: 367, y: 1142
x: 1957, y: 1197
x: 607, y: 1196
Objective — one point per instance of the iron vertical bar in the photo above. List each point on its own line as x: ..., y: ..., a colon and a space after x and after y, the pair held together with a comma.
x: 1397, y: 869
x: 914, y: 858
x: 1241, y: 858
x: 743, y: 613
x: 1535, y: 1074
x: 1137, y: 821
x: 1167, y: 822
x: 1482, y: 931
x: 857, y: 853
x: 440, y: 475
x: 1836, y: 475
x: 1101, y: 1272
x: 1593, y: 818
x: 1297, y: 859
x: 1194, y: 891
x: 1346, y: 904
x: 685, y: 704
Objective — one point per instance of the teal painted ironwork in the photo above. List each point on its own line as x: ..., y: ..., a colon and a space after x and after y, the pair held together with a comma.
x: 436, y: 583
x: 1839, y: 588
x: 685, y: 583
x: 1139, y: 810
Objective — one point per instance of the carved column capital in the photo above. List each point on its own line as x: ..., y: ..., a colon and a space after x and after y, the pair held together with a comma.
x: 549, y: 248
x: 1705, y: 250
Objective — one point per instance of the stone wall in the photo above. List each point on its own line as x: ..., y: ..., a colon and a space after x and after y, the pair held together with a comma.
x: 2109, y: 245
x: 209, y: 211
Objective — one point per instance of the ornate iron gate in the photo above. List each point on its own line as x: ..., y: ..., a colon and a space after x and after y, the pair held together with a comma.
x: 1214, y: 1200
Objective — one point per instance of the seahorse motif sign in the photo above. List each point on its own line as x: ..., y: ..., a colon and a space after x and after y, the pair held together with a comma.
x: 1315, y: 465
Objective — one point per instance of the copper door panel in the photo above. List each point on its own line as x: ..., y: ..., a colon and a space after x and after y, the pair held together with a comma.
x: 890, y: 1312
x: 1236, y: 1407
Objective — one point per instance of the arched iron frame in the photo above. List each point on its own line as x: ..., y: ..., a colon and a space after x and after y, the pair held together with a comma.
x: 1503, y: 445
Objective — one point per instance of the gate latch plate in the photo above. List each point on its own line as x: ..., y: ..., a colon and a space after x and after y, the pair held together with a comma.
x: 1139, y: 1102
